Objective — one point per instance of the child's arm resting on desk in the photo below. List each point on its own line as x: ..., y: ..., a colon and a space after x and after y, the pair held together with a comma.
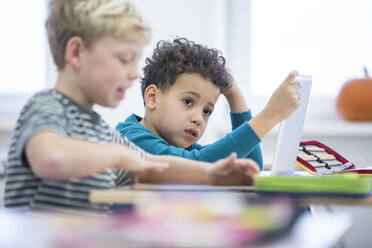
x: 53, y: 156
x: 227, y: 171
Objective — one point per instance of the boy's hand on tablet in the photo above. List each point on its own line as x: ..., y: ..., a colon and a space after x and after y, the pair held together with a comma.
x: 233, y: 171
x: 284, y: 100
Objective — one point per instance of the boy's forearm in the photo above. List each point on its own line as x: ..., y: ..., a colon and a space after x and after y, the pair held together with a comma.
x: 262, y: 123
x: 54, y: 157
x: 282, y: 103
x: 180, y: 170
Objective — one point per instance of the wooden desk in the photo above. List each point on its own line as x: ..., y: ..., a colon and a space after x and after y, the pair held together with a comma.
x: 128, y: 195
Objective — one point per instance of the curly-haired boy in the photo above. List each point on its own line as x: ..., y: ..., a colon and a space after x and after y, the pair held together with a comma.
x: 181, y: 84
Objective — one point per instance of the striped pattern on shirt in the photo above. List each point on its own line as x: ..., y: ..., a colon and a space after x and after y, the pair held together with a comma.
x: 53, y: 111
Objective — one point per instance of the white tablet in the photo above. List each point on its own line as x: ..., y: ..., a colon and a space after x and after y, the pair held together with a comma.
x: 290, y: 132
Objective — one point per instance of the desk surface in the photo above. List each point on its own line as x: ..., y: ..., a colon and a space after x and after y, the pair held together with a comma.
x: 128, y: 195
x: 318, y: 226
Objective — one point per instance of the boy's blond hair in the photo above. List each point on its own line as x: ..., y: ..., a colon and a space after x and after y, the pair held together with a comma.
x: 91, y: 20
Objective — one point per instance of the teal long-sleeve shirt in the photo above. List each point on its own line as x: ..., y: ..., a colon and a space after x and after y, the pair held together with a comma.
x: 242, y: 140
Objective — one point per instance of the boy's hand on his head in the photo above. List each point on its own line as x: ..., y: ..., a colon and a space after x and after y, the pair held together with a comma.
x: 235, y: 98
x: 233, y: 171
x: 232, y: 89
x: 285, y: 99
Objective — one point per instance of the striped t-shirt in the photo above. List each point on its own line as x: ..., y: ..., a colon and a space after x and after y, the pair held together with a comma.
x: 52, y: 110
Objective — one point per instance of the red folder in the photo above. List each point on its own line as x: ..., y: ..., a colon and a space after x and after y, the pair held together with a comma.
x: 319, y: 159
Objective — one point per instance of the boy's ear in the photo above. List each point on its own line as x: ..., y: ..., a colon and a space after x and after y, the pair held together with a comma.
x: 150, y: 95
x: 74, y: 49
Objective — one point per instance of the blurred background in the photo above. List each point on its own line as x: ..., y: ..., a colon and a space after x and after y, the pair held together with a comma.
x: 262, y: 40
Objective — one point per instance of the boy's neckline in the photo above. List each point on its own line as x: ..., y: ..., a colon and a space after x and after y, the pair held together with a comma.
x: 90, y: 111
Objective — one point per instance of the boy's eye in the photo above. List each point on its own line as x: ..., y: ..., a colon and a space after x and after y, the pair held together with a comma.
x: 124, y: 61
x: 188, y: 102
x: 207, y: 112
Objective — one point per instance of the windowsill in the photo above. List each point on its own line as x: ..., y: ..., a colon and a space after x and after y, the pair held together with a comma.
x: 334, y: 127
x: 321, y: 119
x: 338, y: 127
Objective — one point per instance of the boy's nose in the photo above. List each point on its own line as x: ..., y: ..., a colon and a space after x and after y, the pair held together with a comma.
x: 134, y: 73
x: 196, y: 118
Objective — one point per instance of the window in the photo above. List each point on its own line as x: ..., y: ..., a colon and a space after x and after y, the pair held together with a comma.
x: 23, y: 48
x: 328, y: 39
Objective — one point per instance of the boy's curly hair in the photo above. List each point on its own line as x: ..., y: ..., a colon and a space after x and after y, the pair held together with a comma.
x: 171, y: 59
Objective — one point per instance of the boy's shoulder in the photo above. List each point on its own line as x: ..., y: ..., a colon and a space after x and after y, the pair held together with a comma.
x: 135, y: 131
x: 46, y: 96
x: 39, y: 99
x: 41, y: 93
x: 51, y: 98
x: 130, y: 123
x: 52, y: 108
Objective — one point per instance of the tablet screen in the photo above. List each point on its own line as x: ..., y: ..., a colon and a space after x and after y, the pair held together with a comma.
x: 290, y: 132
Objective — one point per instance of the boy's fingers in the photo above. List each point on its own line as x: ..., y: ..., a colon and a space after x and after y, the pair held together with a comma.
x: 248, y: 166
x: 251, y: 170
x: 232, y: 156
x: 290, y: 78
x: 296, y: 85
x: 228, y: 161
x: 298, y: 96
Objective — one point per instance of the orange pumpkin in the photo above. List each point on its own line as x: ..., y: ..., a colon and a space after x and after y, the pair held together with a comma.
x: 354, y: 101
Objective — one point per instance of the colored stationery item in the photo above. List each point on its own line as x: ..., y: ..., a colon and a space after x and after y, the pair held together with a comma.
x: 319, y: 159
